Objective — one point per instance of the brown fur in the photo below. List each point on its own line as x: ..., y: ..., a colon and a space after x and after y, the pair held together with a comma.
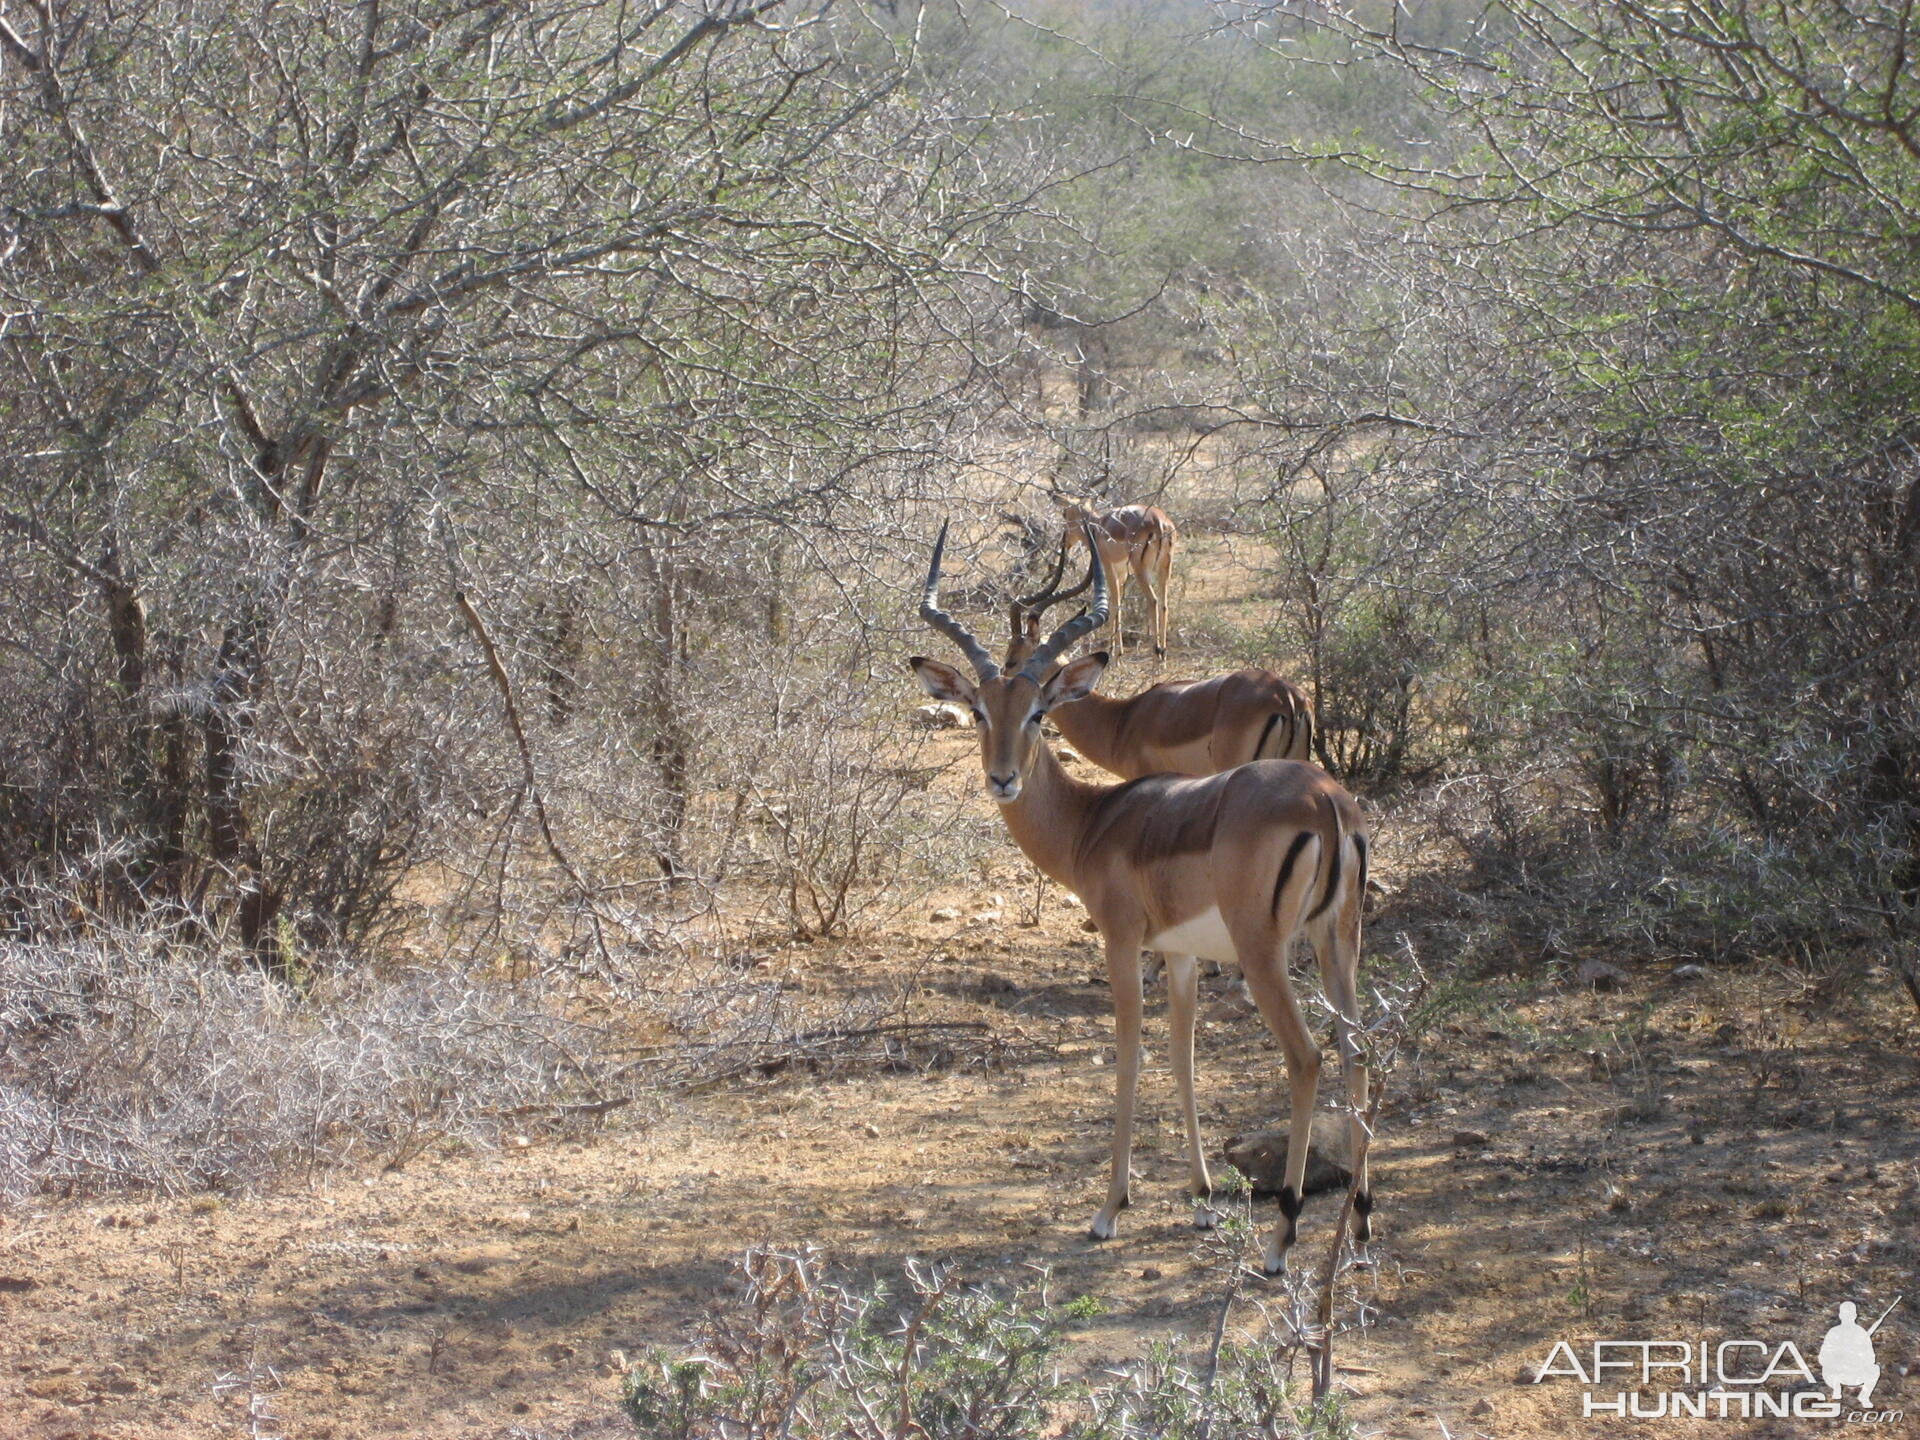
x: 1181, y: 727
x: 1189, y: 726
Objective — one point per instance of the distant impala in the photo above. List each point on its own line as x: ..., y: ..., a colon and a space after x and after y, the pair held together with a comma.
x: 1134, y: 540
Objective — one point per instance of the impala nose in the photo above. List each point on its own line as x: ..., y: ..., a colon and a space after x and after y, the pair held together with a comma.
x: 1003, y: 787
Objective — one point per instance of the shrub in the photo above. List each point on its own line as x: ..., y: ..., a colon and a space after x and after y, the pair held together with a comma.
x: 143, y: 1057
x: 796, y: 1355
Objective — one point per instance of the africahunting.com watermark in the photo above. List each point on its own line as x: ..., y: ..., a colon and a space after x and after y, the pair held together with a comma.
x: 1743, y: 1379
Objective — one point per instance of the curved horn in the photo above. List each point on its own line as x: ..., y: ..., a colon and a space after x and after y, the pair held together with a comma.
x: 1049, y: 595
x: 1032, y: 607
x: 1087, y: 620
x: 1045, y: 594
x: 940, y: 620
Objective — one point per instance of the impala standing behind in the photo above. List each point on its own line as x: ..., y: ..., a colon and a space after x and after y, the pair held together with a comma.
x: 1183, y: 727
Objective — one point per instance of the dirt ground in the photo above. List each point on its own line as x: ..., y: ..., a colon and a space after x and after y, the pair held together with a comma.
x: 1686, y: 1159
x: 1720, y: 1155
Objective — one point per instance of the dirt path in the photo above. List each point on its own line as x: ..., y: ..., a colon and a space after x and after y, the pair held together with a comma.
x: 1723, y: 1164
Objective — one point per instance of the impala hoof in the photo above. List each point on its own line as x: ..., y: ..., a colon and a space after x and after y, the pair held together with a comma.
x: 1273, y: 1260
x: 1103, y: 1228
x: 1204, y: 1216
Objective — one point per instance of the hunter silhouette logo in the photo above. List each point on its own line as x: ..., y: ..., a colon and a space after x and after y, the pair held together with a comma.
x: 1846, y: 1355
x: 1733, y: 1379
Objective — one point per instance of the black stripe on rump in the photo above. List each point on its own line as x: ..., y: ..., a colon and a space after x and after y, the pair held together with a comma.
x: 1360, y: 849
x: 1286, y: 867
x: 1260, y: 746
x: 1333, y: 870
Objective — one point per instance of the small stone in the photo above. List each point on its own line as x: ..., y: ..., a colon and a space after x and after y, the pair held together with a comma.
x: 1262, y: 1157
x: 1152, y: 1272
x: 1599, y: 975
x: 870, y: 1130
x: 944, y: 914
x: 1689, y: 972
x: 1469, y: 1139
x: 482, y: 1259
x: 938, y: 717
x: 986, y: 917
x: 1480, y: 1409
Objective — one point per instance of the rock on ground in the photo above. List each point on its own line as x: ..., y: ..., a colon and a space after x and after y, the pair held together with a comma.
x: 1262, y: 1157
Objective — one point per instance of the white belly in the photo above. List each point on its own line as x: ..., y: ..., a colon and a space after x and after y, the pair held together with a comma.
x: 1204, y: 935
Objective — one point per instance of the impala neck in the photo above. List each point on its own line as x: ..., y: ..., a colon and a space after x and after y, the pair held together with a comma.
x: 1050, y: 815
x: 1091, y: 726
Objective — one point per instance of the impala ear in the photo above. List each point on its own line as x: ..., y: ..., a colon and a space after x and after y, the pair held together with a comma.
x: 1075, y: 681
x: 943, y: 682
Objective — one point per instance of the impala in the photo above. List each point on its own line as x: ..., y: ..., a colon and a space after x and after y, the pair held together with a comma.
x: 1229, y: 867
x: 1134, y: 540
x: 1182, y: 727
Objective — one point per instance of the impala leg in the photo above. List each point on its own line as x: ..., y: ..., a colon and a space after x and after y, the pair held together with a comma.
x: 1123, y: 976
x: 1153, y: 578
x: 1149, y: 622
x: 1118, y: 579
x: 1183, y: 997
x: 1166, y: 590
x: 1339, y: 951
x: 1273, y: 993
